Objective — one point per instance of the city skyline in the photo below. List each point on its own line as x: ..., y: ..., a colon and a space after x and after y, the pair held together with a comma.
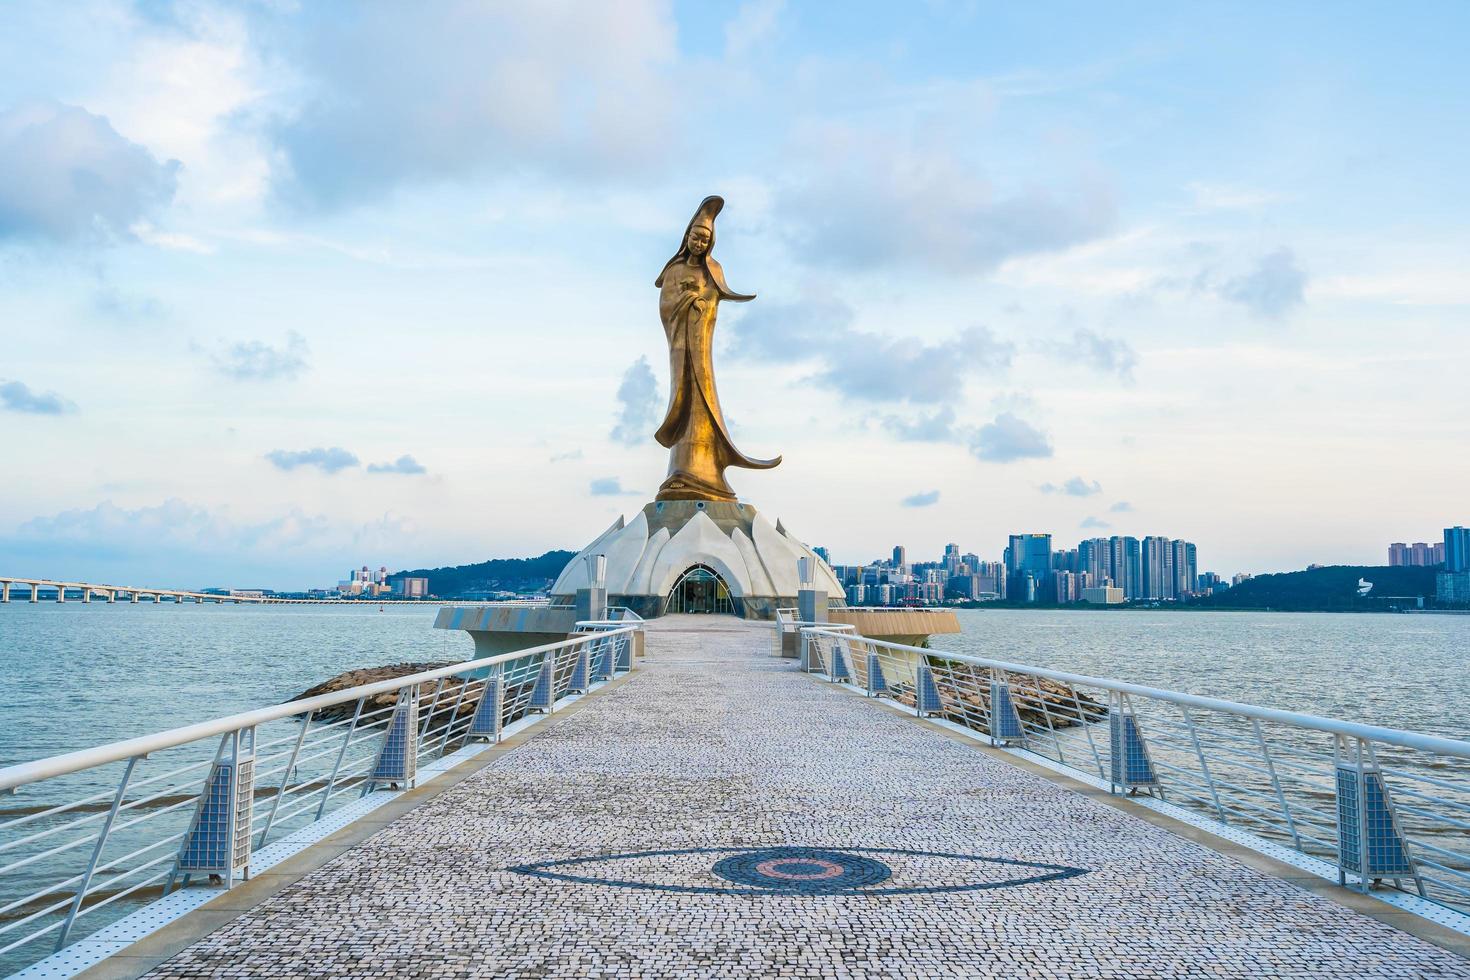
x: 281, y: 281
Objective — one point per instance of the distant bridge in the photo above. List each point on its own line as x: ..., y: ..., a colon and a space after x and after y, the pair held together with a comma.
x: 111, y: 593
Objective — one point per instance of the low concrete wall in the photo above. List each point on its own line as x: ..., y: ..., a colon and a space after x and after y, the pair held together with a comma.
x: 912, y: 627
x: 506, y: 629
x: 509, y: 619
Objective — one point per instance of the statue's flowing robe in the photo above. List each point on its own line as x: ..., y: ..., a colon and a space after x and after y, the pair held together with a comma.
x: 694, y: 427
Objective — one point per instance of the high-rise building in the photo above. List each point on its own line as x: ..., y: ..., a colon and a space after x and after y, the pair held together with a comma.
x: 1420, y: 552
x: 1185, y: 570
x: 822, y: 553
x: 1210, y: 582
x: 1125, y: 560
x: 1158, y: 568
x: 900, y: 557
x: 1456, y: 549
x: 1095, y: 557
x: 1028, y: 555
x: 413, y: 588
x: 1067, y: 585
x: 990, y: 576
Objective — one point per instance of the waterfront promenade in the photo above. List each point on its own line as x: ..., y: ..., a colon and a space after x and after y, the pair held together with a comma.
x: 731, y: 817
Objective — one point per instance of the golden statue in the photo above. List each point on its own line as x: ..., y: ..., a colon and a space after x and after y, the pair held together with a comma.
x: 690, y: 289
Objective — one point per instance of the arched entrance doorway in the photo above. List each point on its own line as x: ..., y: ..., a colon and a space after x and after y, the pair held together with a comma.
x: 700, y: 590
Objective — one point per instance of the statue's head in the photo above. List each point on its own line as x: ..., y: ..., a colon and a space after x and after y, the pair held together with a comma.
x: 697, y: 241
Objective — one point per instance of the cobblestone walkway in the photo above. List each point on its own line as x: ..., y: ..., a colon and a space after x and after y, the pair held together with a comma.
x: 691, y: 798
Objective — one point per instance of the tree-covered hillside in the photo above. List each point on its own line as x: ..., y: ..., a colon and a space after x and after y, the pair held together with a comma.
x: 1331, y: 588
x: 497, y: 574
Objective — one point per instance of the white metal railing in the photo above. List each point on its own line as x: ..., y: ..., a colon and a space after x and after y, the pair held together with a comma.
x: 88, y: 834
x: 1379, y: 804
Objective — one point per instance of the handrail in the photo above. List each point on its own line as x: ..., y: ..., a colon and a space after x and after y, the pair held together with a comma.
x: 13, y: 777
x: 1331, y: 726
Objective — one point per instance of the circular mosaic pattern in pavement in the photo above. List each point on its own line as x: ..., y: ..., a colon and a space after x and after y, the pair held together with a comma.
x: 805, y: 870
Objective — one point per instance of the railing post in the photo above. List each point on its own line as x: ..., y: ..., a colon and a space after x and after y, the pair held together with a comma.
x: 86, y: 882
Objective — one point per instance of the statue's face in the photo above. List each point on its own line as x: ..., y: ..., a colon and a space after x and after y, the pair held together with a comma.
x: 698, y: 240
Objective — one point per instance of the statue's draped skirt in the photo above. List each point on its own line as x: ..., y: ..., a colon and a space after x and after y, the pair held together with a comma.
x: 694, y: 428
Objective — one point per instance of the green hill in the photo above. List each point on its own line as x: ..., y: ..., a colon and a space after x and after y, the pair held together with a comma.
x: 496, y: 575
x: 1332, y: 588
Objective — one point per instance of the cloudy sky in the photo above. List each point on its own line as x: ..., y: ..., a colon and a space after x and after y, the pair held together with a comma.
x: 288, y: 288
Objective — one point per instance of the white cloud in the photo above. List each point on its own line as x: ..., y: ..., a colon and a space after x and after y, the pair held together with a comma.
x: 937, y: 426
x: 637, y: 405
x: 609, y: 486
x: 331, y: 460
x: 1009, y: 438
x: 66, y: 176
x: 1272, y: 288
x: 754, y: 24
x: 18, y: 397
x: 170, y: 525
x: 405, y: 465
x: 192, y: 85
x: 926, y: 498
x: 177, y: 543
x: 1075, y: 487
x: 172, y: 241
x: 255, y: 360
x: 865, y: 199
x: 412, y: 94
x: 1109, y: 355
